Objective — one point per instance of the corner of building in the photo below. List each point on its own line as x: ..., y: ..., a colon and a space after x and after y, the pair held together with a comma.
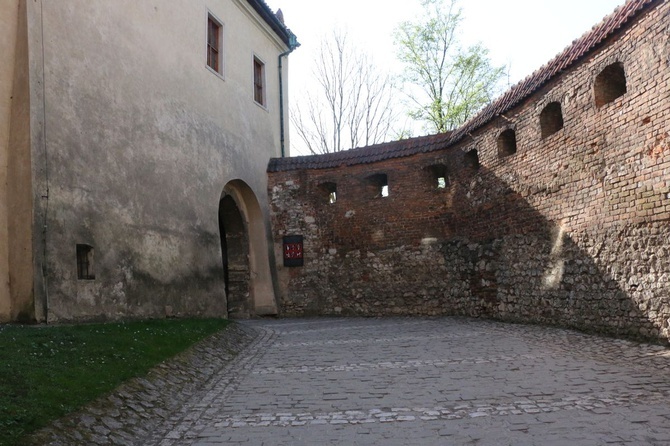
x: 16, y: 246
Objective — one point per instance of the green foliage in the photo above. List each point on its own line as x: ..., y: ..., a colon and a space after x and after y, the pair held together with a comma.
x: 47, y: 372
x: 451, y: 83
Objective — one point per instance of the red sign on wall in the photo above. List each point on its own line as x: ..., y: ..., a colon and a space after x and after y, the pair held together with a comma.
x: 293, y: 252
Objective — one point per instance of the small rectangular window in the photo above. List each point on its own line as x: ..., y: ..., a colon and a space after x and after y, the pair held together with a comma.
x: 379, y: 184
x: 438, y: 175
x: 329, y: 189
x: 214, y: 44
x: 85, y: 262
x: 259, y: 81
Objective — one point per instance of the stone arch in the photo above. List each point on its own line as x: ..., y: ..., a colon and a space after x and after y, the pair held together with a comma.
x: 245, y: 253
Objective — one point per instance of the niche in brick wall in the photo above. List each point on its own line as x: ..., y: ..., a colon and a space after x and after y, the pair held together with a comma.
x: 551, y: 119
x: 610, y: 84
x: 329, y: 192
x: 379, y: 185
x: 507, y: 143
x: 471, y: 159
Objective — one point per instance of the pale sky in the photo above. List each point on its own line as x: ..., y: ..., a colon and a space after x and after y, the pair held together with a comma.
x: 523, y: 34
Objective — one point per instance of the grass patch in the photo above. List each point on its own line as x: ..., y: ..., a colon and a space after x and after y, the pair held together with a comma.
x: 49, y: 371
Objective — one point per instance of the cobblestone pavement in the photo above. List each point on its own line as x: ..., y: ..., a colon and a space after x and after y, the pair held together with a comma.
x: 432, y: 381
x: 425, y: 381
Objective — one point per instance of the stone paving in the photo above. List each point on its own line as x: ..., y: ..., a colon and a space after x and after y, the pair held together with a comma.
x: 423, y: 381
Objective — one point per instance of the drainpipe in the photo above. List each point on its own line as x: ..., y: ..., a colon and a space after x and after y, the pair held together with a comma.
x: 292, y: 45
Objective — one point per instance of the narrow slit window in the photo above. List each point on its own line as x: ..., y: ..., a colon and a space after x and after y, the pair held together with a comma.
x: 85, y: 262
x: 259, y: 81
x: 214, y: 44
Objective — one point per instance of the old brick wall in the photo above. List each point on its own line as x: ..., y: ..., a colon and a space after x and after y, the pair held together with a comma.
x: 572, y: 229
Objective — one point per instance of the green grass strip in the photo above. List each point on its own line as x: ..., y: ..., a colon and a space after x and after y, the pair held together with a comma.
x: 49, y: 371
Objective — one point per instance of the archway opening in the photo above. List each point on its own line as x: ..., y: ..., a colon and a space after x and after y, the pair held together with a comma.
x: 235, y: 257
x: 610, y: 84
x: 245, y: 253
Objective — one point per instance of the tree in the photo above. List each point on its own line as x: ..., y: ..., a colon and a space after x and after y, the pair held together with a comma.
x: 352, y: 104
x: 451, y: 83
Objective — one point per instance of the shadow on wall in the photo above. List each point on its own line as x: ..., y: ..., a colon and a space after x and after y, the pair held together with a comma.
x: 480, y: 249
x: 523, y: 267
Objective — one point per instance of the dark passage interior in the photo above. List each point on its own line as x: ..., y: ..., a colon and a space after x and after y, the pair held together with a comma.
x: 235, y: 257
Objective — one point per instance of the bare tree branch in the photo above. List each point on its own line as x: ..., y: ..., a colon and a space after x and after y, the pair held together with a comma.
x: 353, y: 105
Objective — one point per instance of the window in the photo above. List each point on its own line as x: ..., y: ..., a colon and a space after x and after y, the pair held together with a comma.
x: 214, y: 44
x: 330, y: 191
x: 507, y: 143
x: 259, y: 81
x: 380, y: 184
x: 85, y: 262
x: 438, y: 173
x: 551, y: 119
x: 610, y: 84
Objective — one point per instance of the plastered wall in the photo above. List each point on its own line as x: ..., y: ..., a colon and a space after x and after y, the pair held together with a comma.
x: 140, y: 139
x: 16, y: 267
x: 8, y: 22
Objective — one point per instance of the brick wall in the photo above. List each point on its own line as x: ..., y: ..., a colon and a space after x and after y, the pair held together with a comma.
x: 572, y: 229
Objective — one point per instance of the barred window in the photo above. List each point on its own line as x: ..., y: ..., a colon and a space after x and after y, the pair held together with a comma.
x: 85, y: 262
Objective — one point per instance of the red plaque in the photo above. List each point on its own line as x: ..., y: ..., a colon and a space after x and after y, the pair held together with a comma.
x: 293, y: 250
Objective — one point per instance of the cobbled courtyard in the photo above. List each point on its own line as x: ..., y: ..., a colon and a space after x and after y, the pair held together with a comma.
x: 418, y: 381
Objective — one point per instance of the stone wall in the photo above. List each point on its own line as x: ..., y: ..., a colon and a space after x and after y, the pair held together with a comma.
x: 572, y: 229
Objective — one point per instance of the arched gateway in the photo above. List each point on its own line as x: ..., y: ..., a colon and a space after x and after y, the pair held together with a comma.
x: 245, y: 253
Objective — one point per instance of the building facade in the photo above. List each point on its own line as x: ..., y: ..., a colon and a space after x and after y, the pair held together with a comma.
x: 134, y: 138
x: 551, y: 206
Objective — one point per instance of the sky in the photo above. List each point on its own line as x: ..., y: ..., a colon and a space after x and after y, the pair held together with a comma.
x: 522, y: 34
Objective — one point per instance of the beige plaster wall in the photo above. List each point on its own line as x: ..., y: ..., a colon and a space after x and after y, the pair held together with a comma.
x: 141, y: 138
x: 20, y: 176
x: 16, y: 269
x: 8, y: 21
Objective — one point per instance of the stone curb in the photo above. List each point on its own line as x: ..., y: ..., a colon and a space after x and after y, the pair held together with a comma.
x: 131, y: 412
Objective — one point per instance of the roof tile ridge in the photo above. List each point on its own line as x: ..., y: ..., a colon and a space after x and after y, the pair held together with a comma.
x: 564, y: 59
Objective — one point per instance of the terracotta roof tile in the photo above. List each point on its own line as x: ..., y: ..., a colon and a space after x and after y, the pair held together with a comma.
x: 571, y: 55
